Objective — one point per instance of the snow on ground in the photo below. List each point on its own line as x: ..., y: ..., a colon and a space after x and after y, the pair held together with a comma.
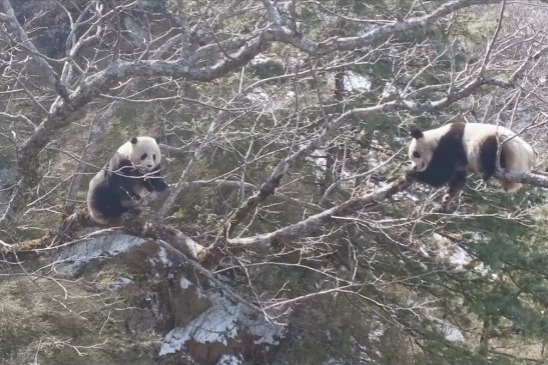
x: 162, y: 258
x: 459, y: 258
x: 356, y: 82
x: 448, y: 251
x: 451, y: 333
x: 120, y: 283
x: 185, y: 283
x: 220, y: 323
x: 229, y: 360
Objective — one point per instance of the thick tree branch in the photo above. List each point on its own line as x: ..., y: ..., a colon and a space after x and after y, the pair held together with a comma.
x: 318, y: 221
x: 523, y: 177
x: 307, y: 45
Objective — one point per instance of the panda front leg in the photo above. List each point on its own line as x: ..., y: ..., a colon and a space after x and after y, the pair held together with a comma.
x: 456, y: 184
x: 155, y: 182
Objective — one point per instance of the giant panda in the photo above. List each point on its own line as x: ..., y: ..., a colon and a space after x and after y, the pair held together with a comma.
x: 446, y: 154
x: 131, y: 174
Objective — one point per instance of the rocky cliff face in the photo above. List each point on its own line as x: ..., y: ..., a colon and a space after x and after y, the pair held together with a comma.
x: 114, y: 298
x: 184, y: 315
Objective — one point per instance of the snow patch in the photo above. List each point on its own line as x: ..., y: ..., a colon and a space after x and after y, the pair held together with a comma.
x: 460, y: 258
x: 120, y: 283
x: 185, y: 283
x: 162, y: 255
x: 355, y: 82
x: 317, y: 157
x: 449, y: 252
x: 220, y: 323
x: 161, y: 258
x: 376, y: 334
x: 451, y: 333
x: 230, y: 360
x: 478, y: 238
x: 258, y: 95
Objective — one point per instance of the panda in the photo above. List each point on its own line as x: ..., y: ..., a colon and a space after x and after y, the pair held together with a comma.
x: 132, y: 173
x: 446, y: 154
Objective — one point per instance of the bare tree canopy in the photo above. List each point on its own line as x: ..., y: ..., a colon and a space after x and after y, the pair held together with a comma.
x: 285, y: 126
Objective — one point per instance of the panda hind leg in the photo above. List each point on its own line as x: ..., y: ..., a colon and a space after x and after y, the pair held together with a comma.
x: 487, y: 156
x: 98, y: 217
x: 456, y: 184
x: 105, y: 219
x: 103, y: 206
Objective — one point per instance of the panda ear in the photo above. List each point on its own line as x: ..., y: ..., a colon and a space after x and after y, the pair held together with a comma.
x: 416, y: 133
x: 133, y: 140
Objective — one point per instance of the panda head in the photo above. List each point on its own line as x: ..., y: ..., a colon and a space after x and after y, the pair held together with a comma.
x: 421, y: 149
x: 143, y: 152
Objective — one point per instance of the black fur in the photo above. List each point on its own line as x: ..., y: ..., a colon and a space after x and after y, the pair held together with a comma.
x: 448, y: 159
x: 488, y: 155
x: 155, y: 181
x: 416, y: 133
x: 115, y: 194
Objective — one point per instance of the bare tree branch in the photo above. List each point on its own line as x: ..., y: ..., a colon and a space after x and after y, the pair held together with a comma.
x: 317, y: 221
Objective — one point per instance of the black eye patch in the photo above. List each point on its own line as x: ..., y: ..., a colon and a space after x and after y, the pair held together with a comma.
x: 416, y: 154
x: 143, y: 156
x: 153, y: 157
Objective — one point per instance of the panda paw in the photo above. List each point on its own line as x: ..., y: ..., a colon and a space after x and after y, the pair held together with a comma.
x: 411, y: 175
x: 158, y: 184
x: 446, y: 198
x: 446, y: 201
x: 161, y: 186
